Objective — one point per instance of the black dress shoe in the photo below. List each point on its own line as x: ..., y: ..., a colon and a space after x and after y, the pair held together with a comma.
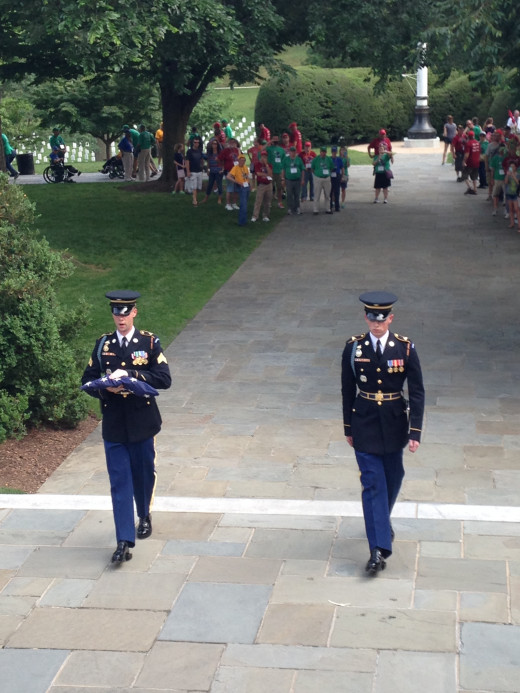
x: 376, y: 562
x: 144, y: 528
x: 121, y: 553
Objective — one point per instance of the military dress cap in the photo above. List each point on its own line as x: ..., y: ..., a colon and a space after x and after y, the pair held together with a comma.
x: 122, y: 302
x: 378, y: 304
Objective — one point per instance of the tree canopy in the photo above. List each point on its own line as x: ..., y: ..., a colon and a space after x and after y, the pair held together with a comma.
x: 180, y: 45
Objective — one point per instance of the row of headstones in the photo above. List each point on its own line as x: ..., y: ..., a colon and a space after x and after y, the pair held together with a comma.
x: 76, y: 153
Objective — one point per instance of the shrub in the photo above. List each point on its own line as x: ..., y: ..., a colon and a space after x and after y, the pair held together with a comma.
x: 38, y: 374
x: 333, y: 104
x: 458, y: 97
x: 330, y: 105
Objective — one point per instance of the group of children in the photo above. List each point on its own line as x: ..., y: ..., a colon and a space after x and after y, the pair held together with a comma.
x: 267, y: 158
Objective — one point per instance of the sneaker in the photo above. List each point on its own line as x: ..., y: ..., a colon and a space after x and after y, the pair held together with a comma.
x: 299, y: 211
x: 494, y: 213
x: 342, y: 205
x: 253, y: 218
x: 506, y: 215
x: 229, y: 208
x: 289, y: 213
x: 467, y: 191
x: 472, y: 192
x: 329, y: 211
x: 266, y: 219
x: 234, y: 206
x: 376, y: 201
x: 385, y: 202
x: 174, y: 192
x: 280, y: 205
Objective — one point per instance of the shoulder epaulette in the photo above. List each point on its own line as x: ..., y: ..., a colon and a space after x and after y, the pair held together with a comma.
x: 357, y: 338
x: 106, y: 334
x: 401, y: 337
x: 146, y: 334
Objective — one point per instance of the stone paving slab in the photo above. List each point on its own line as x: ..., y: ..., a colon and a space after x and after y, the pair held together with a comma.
x: 284, y: 597
x: 89, y: 629
x: 29, y: 670
x: 217, y: 612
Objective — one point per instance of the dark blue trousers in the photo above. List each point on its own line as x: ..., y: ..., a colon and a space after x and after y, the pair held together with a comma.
x: 381, y: 479
x: 243, y: 197
x: 131, y: 470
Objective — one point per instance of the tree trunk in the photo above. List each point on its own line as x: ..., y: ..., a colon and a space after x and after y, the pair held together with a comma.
x: 176, y: 109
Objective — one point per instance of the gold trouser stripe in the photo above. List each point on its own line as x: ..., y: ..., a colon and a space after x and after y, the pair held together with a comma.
x: 155, y: 476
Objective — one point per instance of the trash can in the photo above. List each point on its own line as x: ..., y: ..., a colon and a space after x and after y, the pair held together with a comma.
x: 25, y: 164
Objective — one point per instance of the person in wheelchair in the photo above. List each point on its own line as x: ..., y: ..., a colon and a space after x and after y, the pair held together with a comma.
x: 62, y: 172
x: 113, y: 166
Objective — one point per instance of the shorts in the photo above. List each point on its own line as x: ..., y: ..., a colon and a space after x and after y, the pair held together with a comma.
x: 381, y: 181
x: 498, y: 188
x: 181, y: 173
x: 459, y: 161
x: 231, y: 187
x: 196, y: 180
x: 344, y: 183
x: 511, y: 198
x: 252, y: 167
x: 470, y: 173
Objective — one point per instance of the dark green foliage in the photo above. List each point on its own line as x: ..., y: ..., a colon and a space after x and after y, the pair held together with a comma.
x: 348, y: 104
x: 456, y: 96
x: 330, y: 105
x: 38, y: 374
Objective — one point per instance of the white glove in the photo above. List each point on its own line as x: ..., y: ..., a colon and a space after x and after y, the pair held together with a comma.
x: 118, y: 374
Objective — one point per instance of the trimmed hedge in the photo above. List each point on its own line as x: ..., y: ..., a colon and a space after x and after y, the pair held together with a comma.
x: 39, y: 379
x: 330, y: 105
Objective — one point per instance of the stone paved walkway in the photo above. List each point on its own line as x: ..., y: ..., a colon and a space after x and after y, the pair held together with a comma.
x: 253, y: 578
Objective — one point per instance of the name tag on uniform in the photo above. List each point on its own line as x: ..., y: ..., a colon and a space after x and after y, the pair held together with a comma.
x: 325, y: 171
x: 245, y: 185
x: 307, y: 165
x: 277, y: 159
x: 333, y: 175
x: 294, y: 169
x: 380, y: 169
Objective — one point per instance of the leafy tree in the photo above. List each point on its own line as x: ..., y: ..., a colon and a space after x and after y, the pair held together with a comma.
x: 382, y: 36
x: 181, y: 45
x: 38, y: 373
x: 98, y: 105
x: 485, y: 36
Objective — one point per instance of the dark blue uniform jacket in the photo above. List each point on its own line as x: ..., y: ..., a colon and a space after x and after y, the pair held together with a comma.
x: 128, y: 418
x: 381, y: 427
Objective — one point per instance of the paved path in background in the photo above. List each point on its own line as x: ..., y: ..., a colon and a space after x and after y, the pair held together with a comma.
x: 253, y: 579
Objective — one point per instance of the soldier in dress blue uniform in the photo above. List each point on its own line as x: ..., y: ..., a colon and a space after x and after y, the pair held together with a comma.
x: 130, y: 422
x: 378, y: 421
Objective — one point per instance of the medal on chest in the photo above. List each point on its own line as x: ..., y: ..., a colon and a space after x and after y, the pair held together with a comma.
x: 139, y: 358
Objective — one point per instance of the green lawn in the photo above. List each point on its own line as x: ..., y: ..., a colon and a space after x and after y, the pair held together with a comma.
x: 175, y: 255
